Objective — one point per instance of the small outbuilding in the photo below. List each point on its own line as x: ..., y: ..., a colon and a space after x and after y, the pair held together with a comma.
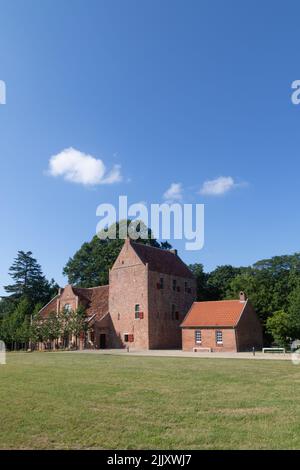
x: 225, y: 325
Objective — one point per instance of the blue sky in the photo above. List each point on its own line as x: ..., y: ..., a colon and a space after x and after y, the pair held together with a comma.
x: 170, y: 91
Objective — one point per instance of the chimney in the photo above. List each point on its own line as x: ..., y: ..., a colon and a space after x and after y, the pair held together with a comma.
x: 59, y: 291
x: 174, y: 252
x: 243, y: 296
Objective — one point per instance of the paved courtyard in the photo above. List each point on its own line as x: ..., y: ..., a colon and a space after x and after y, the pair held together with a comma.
x: 179, y: 353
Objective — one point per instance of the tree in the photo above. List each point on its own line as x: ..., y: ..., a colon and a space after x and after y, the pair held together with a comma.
x: 22, y: 333
x: 14, y: 326
x: 53, y: 327
x: 279, y: 326
x: 219, y: 280
x: 29, y: 280
x: 77, y: 322
x: 294, y: 312
x: 89, y: 267
x: 7, y: 306
x: 204, y: 291
x: 62, y: 325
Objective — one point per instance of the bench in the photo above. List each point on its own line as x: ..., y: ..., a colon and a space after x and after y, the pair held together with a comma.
x: 280, y: 350
x: 197, y: 348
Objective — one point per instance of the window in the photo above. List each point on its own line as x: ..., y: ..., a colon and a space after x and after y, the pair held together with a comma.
x: 187, y: 289
x: 173, y: 312
x: 137, y: 311
x: 128, y: 338
x: 174, y: 284
x: 176, y: 315
x: 161, y: 283
x: 219, y: 337
x: 67, y: 308
x: 198, y: 336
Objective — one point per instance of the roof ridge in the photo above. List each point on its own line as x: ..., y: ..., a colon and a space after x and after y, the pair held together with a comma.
x: 90, y: 288
x: 165, y: 250
x: 162, y: 260
x: 211, y: 301
x: 53, y: 298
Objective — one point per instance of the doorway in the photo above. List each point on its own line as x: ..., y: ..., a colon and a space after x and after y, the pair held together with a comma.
x: 102, y: 342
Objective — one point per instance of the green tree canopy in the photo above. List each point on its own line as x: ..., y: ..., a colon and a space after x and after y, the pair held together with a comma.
x: 29, y: 280
x: 89, y: 267
x: 279, y: 326
x: 294, y: 312
x: 219, y: 279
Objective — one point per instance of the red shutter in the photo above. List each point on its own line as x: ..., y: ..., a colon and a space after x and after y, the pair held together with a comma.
x: 141, y: 315
x: 130, y: 338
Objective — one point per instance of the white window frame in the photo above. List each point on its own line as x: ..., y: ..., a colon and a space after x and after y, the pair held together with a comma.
x: 220, y: 334
x: 198, y: 341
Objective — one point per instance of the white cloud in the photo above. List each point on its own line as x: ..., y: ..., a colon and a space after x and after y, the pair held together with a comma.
x: 81, y: 168
x: 174, y: 193
x: 218, y: 186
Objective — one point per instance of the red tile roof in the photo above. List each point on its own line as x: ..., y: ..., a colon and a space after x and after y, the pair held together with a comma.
x: 94, y: 300
x: 162, y: 261
x: 224, y: 313
x: 50, y: 307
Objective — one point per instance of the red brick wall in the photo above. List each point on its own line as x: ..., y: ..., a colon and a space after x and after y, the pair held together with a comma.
x: 208, y: 339
x: 132, y: 283
x: 164, y: 331
x: 249, y: 330
x: 128, y: 281
x: 103, y: 326
x: 67, y: 297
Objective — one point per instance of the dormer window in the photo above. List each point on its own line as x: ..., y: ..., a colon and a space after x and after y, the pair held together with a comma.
x: 67, y: 308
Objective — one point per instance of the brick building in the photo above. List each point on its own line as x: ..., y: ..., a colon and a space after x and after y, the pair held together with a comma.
x: 150, y: 291
x: 95, y: 303
x: 226, y: 325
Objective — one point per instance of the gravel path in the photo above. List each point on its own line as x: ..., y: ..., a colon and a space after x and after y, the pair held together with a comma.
x: 179, y: 353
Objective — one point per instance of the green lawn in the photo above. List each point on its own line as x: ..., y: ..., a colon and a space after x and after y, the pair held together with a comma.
x: 91, y: 401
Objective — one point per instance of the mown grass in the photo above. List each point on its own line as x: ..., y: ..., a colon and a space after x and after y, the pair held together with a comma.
x: 91, y: 401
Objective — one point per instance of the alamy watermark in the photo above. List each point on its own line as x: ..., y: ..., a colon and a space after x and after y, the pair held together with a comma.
x: 2, y: 92
x: 295, y: 348
x: 166, y: 221
x: 2, y: 353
